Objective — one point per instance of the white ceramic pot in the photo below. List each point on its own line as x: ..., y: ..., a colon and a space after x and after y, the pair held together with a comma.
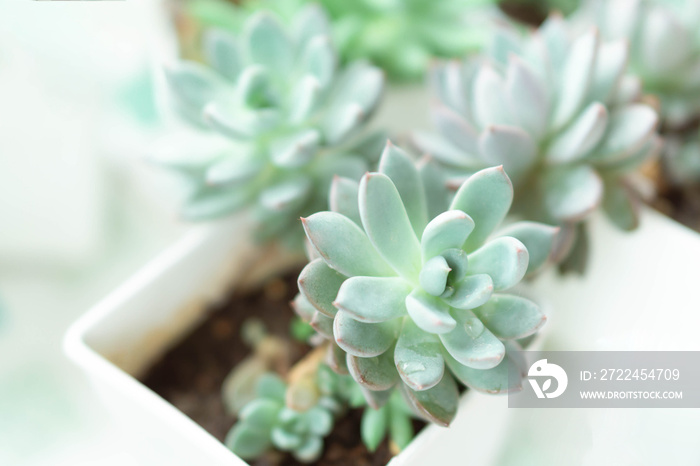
x: 640, y: 293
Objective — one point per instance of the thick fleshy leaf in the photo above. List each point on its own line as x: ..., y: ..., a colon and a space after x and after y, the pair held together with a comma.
x: 509, y: 146
x: 503, y: 378
x: 456, y: 129
x: 629, y: 128
x: 376, y: 399
x: 373, y: 427
x: 265, y: 42
x: 295, y: 150
x: 375, y: 373
x: 341, y: 121
x: 401, y: 426
x: 576, y: 77
x: 241, y: 126
x: 303, y: 308
x: 471, y: 343
x: 433, y: 275
x: 213, y: 203
x: 486, y: 197
x: 285, y: 440
x: 319, y: 60
x: 260, y: 413
x: 287, y: 195
x: 489, y: 95
x: 336, y: 359
x: 343, y: 198
x: 362, y: 339
x: 471, y: 292
x: 437, y: 404
x: 610, y: 66
x: 398, y: 166
x: 320, y: 284
x: 311, y: 21
x: 571, y: 193
x: 254, y: 86
x: 247, y: 443
x: 527, y: 97
x: 193, y: 86
x: 580, y: 137
x: 431, y: 314
x: 223, y: 53
x: 387, y: 225
x: 418, y: 357
x: 458, y: 260
x: 440, y: 149
x: 322, y: 324
x: 232, y: 170
x: 650, y: 150
x: 305, y: 99
x: 344, y: 246
x: 511, y: 317
x: 360, y: 84
x: 449, y: 230
x: 538, y: 238
x: 310, y: 450
x: 620, y: 205
x: 373, y: 299
x: 436, y: 193
x: 504, y: 259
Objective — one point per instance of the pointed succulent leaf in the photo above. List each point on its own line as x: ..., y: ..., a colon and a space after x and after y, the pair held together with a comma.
x: 417, y: 357
x: 223, y: 53
x: 580, y: 137
x: 510, y: 317
x: 233, y: 170
x: 322, y: 324
x: 360, y: 84
x: 387, y: 224
x: 239, y: 127
x: 254, y: 85
x: 341, y: 121
x: 486, y: 197
x: 397, y: 165
x: 471, y: 292
x: 628, y: 129
x: 344, y: 246
x: 265, y: 42
x: 246, y: 442
x: 576, y: 77
x: 193, y: 86
x: 303, y: 308
x: 295, y: 150
x: 431, y: 314
x: 471, y: 343
x: 373, y: 299
x: 527, y: 97
x: 620, y: 205
x: 538, y: 239
x: 504, y: 259
x: 319, y: 60
x: 311, y: 21
x: 376, y: 373
x: 437, y: 404
x: 433, y: 275
x: 363, y: 339
x: 289, y: 194
x: 305, y: 98
x: 489, y: 98
x: 457, y: 130
x: 458, y: 260
x: 213, y: 203
x: 509, y: 146
x: 343, y: 198
x: 373, y: 427
x: 610, y: 66
x: 336, y: 359
x: 449, y: 230
x: 400, y: 428
x: 571, y: 193
x: 320, y: 285
x: 503, y: 378
x: 443, y: 151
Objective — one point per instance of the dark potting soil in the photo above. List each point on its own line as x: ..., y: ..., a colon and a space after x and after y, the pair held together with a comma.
x: 191, y: 374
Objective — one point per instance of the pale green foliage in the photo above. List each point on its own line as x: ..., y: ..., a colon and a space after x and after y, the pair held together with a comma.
x: 682, y: 159
x: 280, y: 119
x: 266, y: 422
x: 412, y: 287
x: 557, y: 111
x: 392, y: 419
x: 664, y: 38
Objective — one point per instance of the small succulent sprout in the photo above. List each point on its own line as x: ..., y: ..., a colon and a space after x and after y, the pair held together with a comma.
x: 266, y: 423
x: 279, y: 116
x: 557, y: 111
x: 392, y: 419
x: 412, y: 288
x: 664, y: 39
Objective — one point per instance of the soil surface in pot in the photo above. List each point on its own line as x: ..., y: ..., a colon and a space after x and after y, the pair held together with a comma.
x: 191, y: 374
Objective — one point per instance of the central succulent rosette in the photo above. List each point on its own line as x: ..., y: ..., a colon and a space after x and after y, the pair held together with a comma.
x: 412, y: 287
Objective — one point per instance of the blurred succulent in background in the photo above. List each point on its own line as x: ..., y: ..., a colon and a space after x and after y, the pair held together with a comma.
x: 266, y: 422
x: 400, y: 36
x: 664, y: 38
x: 411, y: 287
x: 558, y: 112
x: 682, y: 159
x: 392, y: 420
x: 286, y: 118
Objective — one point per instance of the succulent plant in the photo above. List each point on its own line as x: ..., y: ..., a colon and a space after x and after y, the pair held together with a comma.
x: 400, y: 36
x: 278, y: 117
x: 410, y: 286
x: 664, y: 39
x: 392, y: 420
x: 682, y: 159
x: 557, y: 112
x: 266, y: 422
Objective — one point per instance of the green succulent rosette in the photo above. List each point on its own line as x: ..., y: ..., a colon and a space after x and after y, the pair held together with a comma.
x: 279, y: 118
x: 664, y: 40
x: 558, y: 112
x: 412, y: 288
